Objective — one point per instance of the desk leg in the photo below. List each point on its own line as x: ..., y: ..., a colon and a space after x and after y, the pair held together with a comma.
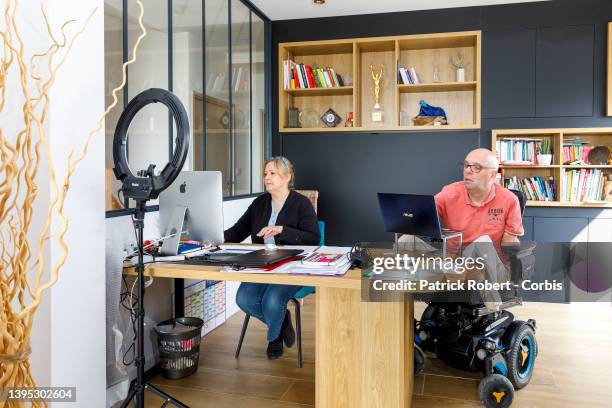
x: 364, y: 353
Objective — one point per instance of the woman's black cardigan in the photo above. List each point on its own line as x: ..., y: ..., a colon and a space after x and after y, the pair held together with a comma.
x: 297, y: 217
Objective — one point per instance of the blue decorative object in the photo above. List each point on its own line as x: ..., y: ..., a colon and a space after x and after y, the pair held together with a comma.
x: 428, y: 110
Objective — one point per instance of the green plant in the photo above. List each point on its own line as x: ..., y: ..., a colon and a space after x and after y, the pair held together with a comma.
x: 460, y: 62
x: 544, y: 147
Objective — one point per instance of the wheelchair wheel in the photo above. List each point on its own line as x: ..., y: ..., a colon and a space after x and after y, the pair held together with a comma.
x: 428, y: 313
x: 521, y: 357
x: 419, y: 360
x: 496, y: 391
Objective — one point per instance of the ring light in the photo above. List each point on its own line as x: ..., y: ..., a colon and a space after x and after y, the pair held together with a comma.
x: 146, y: 185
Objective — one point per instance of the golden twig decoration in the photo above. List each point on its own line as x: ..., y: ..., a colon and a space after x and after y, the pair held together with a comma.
x: 21, y: 157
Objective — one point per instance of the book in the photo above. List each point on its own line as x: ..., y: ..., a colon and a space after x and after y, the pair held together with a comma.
x: 415, y: 77
x: 323, y: 259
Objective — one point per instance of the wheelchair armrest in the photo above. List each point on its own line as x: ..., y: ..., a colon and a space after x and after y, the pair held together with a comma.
x: 519, y: 249
x: 522, y: 259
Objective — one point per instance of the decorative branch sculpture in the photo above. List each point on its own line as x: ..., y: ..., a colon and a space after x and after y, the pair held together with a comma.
x: 22, y: 268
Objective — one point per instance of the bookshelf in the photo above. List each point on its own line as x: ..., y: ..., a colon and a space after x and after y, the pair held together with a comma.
x: 351, y: 60
x: 559, y: 167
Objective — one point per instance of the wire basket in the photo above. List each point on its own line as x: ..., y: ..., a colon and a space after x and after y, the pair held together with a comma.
x: 179, y: 346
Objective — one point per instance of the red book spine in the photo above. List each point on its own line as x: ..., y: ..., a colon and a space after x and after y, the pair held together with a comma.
x: 311, y: 81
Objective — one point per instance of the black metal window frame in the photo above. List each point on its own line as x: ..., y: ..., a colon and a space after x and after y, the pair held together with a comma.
x: 267, y: 88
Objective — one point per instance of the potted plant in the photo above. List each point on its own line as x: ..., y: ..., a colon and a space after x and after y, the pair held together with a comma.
x: 460, y: 65
x: 544, y: 153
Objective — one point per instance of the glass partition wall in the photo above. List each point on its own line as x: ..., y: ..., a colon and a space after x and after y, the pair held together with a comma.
x: 212, y: 54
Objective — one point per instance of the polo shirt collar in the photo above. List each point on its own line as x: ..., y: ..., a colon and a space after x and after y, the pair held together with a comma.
x: 490, y: 197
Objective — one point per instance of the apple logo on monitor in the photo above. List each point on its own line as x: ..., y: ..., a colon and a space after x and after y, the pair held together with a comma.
x: 183, y: 187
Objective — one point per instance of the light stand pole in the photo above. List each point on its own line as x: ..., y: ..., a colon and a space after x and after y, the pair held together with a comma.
x: 146, y: 185
x: 137, y: 394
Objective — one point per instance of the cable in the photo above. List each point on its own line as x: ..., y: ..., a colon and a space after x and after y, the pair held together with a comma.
x: 133, y: 319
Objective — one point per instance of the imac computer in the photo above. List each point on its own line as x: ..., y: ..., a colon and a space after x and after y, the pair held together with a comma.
x: 193, y: 203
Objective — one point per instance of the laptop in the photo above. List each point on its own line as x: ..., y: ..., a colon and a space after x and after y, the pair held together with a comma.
x: 412, y: 214
x: 255, y: 259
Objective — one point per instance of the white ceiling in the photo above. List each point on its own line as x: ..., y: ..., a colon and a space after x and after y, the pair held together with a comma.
x: 293, y: 9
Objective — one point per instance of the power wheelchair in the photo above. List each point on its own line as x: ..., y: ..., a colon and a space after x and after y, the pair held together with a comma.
x: 469, y: 336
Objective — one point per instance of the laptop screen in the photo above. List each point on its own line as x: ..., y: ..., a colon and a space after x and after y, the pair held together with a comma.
x: 410, y: 214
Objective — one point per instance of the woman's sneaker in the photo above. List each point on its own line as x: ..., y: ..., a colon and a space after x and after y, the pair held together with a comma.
x: 275, y: 348
x: 287, y: 331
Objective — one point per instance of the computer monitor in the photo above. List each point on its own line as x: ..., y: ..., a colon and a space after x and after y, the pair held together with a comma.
x: 410, y: 214
x: 193, y: 203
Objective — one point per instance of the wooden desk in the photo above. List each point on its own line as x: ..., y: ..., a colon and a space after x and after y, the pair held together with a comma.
x: 363, y: 349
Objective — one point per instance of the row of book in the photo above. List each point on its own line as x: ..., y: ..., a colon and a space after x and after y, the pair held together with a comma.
x: 535, y: 188
x: 517, y: 151
x: 219, y: 82
x: 576, y: 152
x: 583, y: 185
x: 407, y: 75
x: 297, y: 76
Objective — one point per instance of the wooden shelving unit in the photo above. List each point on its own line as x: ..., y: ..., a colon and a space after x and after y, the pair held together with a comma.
x: 351, y: 59
x: 590, y: 136
x: 609, y: 81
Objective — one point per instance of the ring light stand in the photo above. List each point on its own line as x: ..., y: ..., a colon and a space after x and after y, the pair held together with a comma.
x: 142, y: 187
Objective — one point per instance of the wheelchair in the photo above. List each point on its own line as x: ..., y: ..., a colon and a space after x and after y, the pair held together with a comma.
x: 469, y: 336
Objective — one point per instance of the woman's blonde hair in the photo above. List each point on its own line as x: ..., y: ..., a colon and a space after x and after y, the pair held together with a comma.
x: 285, y: 166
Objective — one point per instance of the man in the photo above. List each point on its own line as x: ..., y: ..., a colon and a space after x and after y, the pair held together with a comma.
x: 477, y: 206
x: 486, y: 213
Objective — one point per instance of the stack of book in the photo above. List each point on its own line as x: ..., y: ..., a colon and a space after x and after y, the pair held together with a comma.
x: 535, y: 188
x: 407, y: 75
x: 583, y: 185
x: 576, y: 152
x: 216, y: 82
x: 298, y: 76
x: 330, y: 261
x: 517, y: 151
x: 240, y: 79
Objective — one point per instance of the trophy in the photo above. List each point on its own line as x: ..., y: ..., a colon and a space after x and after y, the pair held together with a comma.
x: 377, y: 114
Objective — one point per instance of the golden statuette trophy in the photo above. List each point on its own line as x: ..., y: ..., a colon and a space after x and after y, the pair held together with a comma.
x: 377, y: 114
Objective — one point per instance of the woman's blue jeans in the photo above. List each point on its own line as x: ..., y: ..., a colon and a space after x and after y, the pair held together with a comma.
x: 267, y: 303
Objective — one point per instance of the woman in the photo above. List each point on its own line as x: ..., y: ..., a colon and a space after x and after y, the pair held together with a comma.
x: 280, y: 216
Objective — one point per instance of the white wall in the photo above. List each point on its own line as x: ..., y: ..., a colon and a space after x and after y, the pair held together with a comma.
x: 11, y: 120
x: 68, y: 333
x: 77, y: 301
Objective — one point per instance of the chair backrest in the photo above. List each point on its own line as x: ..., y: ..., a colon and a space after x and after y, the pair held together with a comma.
x: 522, y: 199
x: 312, y: 195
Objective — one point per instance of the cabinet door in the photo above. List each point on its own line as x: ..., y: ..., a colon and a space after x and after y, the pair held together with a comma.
x: 599, y: 258
x: 564, y: 71
x: 560, y: 251
x: 508, y: 73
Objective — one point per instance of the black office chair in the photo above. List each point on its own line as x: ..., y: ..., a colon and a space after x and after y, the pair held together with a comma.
x: 469, y: 336
x: 298, y: 330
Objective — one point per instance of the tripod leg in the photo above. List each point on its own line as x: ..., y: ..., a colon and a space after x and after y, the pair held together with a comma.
x: 169, y: 399
x: 129, y: 398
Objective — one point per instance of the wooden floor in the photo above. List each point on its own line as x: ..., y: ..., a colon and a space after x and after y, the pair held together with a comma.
x: 573, y: 369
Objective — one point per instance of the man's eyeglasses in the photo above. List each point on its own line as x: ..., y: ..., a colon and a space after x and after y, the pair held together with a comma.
x: 476, y: 168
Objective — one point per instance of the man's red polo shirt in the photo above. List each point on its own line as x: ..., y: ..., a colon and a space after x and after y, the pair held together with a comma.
x: 500, y: 213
